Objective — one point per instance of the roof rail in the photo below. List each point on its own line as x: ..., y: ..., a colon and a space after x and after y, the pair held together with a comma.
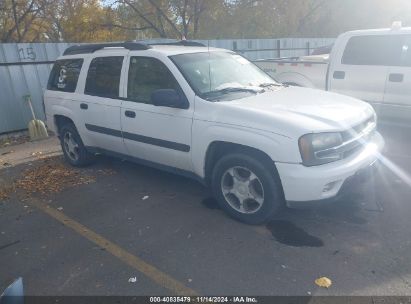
x: 91, y: 48
x: 181, y: 43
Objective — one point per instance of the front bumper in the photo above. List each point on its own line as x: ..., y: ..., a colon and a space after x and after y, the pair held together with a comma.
x: 306, y: 184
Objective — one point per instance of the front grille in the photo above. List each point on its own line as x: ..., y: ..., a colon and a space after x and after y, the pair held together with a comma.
x: 358, y: 129
x: 352, y: 151
x: 354, y: 140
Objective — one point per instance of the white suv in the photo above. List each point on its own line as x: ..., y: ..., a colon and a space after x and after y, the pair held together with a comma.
x: 212, y: 115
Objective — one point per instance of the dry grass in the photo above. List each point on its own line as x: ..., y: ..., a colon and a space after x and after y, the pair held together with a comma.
x: 52, y: 176
x: 5, y: 192
x: 14, y: 140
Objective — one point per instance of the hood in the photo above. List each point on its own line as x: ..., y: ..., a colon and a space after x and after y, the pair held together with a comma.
x: 293, y: 109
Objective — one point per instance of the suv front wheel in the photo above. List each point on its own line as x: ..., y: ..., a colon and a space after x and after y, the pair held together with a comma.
x: 73, y: 148
x: 246, y: 189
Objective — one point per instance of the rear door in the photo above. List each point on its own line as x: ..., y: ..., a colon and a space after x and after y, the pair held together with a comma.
x: 157, y: 134
x: 397, y: 97
x: 360, y: 69
x: 100, y: 106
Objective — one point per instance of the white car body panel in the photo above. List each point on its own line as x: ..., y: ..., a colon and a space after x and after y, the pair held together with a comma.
x: 310, y: 181
x: 168, y: 124
x: 363, y: 82
x: 271, y: 122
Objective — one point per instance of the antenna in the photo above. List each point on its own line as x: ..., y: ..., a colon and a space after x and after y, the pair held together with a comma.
x: 209, y: 62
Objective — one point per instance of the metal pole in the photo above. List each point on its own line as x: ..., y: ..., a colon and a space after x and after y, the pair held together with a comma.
x: 278, y: 48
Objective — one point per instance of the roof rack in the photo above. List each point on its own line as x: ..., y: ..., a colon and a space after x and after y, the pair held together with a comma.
x: 180, y: 43
x: 129, y: 45
x: 91, y: 48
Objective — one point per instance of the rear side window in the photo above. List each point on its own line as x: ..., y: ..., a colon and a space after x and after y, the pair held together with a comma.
x: 147, y: 75
x: 407, y: 52
x: 374, y: 50
x: 64, y: 75
x: 103, y: 77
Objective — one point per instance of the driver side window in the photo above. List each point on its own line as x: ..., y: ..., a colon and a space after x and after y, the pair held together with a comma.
x: 147, y: 75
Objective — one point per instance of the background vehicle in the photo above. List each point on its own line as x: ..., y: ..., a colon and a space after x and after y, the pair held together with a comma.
x: 212, y: 115
x: 371, y: 65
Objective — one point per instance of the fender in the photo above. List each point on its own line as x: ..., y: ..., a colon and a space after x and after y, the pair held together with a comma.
x: 267, y: 142
x: 62, y: 111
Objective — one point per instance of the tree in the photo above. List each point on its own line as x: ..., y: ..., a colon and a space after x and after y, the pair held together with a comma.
x: 96, y: 20
x: 22, y: 20
x: 57, y: 20
x: 165, y: 19
x: 188, y: 14
x: 81, y: 21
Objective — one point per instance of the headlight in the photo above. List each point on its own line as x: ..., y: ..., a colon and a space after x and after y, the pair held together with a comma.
x: 320, y: 148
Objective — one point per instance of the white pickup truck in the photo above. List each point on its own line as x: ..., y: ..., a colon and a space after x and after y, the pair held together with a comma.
x: 371, y: 65
x: 212, y: 115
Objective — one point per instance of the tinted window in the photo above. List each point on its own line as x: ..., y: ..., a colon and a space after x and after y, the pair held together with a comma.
x: 64, y: 75
x: 147, y: 75
x: 407, y: 52
x: 103, y: 78
x: 374, y: 50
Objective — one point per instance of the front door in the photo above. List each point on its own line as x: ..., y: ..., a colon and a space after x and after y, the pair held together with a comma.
x: 156, y: 134
x: 363, y: 68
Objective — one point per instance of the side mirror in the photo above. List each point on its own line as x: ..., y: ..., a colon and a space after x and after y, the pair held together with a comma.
x: 168, y: 98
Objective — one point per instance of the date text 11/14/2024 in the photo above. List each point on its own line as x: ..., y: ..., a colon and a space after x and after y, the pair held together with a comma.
x: 203, y: 299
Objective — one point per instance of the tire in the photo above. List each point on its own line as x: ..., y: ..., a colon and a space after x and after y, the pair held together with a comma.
x: 259, y: 189
x: 73, y: 148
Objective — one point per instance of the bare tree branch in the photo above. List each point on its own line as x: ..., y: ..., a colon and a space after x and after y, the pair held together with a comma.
x: 16, y: 20
x: 314, y: 7
x: 171, y: 23
x: 147, y: 20
x: 109, y: 25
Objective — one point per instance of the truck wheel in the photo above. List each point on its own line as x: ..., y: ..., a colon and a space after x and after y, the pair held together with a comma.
x: 246, y: 189
x: 73, y: 148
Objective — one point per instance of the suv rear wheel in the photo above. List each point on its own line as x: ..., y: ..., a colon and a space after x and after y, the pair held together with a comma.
x: 246, y: 189
x: 73, y: 148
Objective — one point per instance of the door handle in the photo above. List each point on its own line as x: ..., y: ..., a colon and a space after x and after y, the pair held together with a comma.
x: 396, y: 77
x: 83, y: 106
x: 339, y: 75
x: 130, y: 114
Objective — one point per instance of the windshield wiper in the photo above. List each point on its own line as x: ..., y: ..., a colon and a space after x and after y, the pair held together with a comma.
x: 217, y: 94
x: 271, y: 84
x: 234, y: 89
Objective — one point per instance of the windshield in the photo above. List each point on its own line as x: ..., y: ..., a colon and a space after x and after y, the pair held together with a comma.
x: 214, y: 74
